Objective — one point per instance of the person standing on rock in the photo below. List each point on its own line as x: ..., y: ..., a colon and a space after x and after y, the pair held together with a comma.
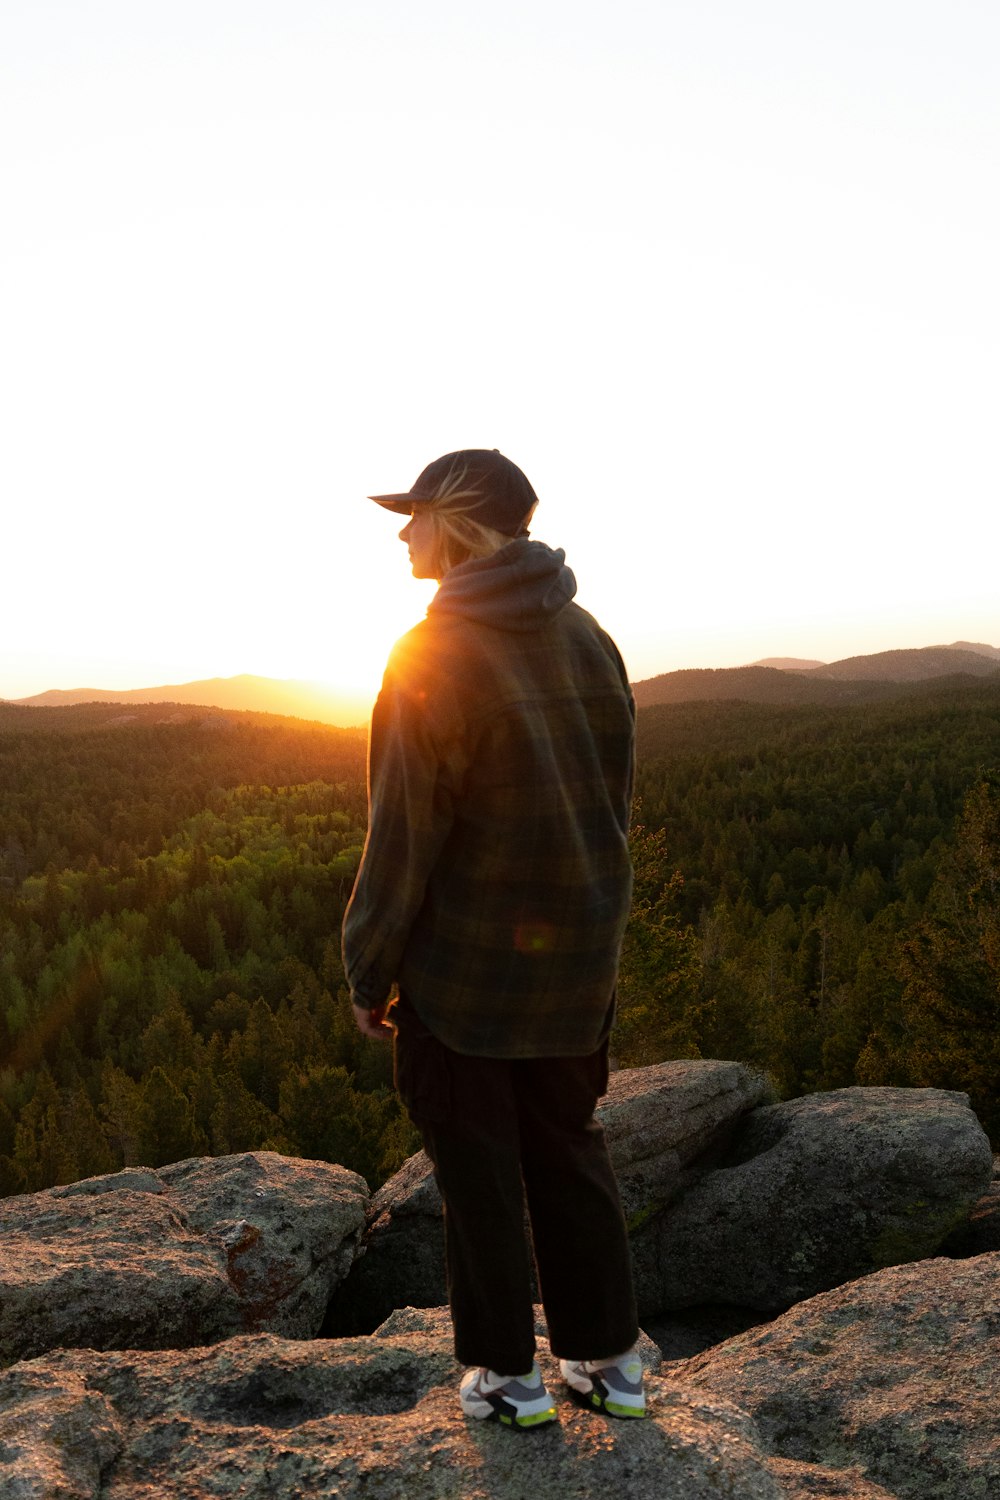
x: 493, y: 892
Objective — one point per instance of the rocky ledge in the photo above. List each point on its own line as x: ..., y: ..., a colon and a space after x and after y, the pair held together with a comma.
x: 883, y: 1390
x: 729, y: 1198
x: 184, y: 1255
x: 161, y: 1328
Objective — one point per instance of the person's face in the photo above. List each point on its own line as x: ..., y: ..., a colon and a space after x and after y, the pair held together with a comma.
x: 419, y: 536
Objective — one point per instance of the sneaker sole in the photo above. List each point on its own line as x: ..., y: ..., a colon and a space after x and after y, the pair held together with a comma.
x: 504, y: 1412
x: 593, y: 1401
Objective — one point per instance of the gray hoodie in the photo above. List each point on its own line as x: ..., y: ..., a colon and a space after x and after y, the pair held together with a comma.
x: 521, y: 587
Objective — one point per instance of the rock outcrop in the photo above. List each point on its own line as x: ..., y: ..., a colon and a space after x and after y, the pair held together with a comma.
x: 663, y: 1124
x: 980, y: 1232
x: 898, y: 1373
x: 666, y: 1122
x: 819, y: 1191
x: 185, y: 1255
x: 754, y: 1207
x: 199, y: 1289
x: 884, y: 1390
x: 264, y: 1418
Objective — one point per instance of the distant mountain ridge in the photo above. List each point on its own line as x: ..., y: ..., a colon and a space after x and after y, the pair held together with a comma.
x: 913, y: 665
x: 774, y: 680
x: 852, y: 680
x: 292, y: 699
x: 787, y: 663
x: 977, y: 646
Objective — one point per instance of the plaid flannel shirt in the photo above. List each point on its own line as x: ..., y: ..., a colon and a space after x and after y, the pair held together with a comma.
x: 495, y: 883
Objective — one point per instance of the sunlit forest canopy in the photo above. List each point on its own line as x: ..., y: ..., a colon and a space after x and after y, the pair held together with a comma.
x: 816, y: 893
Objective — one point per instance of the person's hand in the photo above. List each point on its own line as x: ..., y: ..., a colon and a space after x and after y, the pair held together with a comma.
x: 370, y: 1020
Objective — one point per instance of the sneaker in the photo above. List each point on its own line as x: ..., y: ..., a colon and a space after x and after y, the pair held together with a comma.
x: 515, y: 1400
x: 611, y: 1385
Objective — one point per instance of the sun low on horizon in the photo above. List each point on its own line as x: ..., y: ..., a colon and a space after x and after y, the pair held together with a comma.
x: 262, y: 602
x: 328, y: 623
x: 720, y: 279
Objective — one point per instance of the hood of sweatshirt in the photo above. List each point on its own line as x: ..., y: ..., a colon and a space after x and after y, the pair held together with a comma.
x: 521, y: 587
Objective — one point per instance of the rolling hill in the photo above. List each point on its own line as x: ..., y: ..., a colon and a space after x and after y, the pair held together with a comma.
x: 790, y: 680
x: 856, y: 679
x: 301, y: 700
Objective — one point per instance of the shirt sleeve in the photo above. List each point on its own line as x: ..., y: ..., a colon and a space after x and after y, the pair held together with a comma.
x: 627, y: 689
x: 410, y: 816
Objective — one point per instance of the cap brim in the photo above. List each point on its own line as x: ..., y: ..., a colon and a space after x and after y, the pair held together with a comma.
x: 401, y: 504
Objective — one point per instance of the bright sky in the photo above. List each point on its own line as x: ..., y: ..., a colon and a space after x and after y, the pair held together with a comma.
x: 720, y: 275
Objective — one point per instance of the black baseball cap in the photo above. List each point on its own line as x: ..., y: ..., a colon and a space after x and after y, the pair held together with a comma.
x: 503, y: 496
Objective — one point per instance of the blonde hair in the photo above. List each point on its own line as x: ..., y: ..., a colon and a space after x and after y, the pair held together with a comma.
x: 458, y: 536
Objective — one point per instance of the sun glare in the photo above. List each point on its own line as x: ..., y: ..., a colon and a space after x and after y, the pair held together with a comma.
x: 756, y: 401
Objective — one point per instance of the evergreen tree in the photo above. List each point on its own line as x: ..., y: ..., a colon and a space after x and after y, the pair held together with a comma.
x: 42, y: 1155
x: 119, y: 1112
x: 90, y: 1154
x: 9, y: 1176
x: 240, y: 1122
x: 660, y: 1013
x: 327, y: 1119
x: 951, y: 966
x: 166, y: 1127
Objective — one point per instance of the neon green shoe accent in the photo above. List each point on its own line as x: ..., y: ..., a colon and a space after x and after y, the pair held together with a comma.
x: 517, y: 1401
x: 537, y: 1420
x: 617, y: 1410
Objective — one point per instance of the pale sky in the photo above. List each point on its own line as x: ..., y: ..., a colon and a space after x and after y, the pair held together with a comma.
x: 720, y: 275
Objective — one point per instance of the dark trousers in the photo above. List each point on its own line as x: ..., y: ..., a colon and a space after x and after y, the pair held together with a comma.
x: 500, y: 1131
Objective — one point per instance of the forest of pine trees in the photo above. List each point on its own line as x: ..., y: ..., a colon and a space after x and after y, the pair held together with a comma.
x: 816, y: 893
